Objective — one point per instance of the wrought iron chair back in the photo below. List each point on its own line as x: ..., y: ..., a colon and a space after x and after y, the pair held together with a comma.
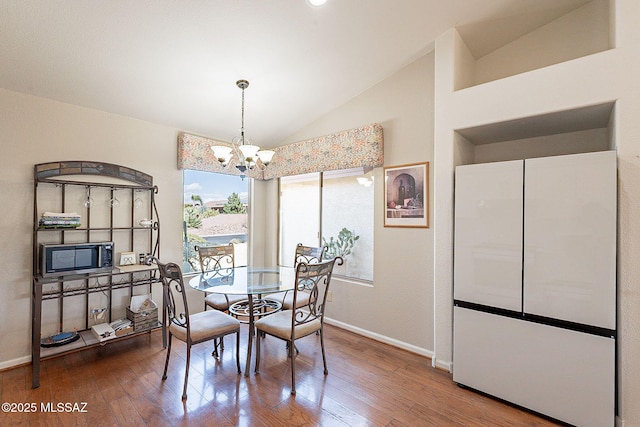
x: 173, y: 283
x: 216, y: 257
x: 309, y: 254
x: 313, y: 279
x: 221, y: 261
x: 303, y: 254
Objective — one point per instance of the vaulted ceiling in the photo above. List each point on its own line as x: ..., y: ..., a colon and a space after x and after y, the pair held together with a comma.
x: 175, y: 63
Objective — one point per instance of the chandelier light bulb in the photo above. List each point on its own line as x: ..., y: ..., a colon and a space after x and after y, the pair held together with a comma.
x: 265, y: 156
x: 222, y: 153
x: 249, y: 153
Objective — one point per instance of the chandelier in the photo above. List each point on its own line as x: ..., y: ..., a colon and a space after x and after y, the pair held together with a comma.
x: 241, y: 152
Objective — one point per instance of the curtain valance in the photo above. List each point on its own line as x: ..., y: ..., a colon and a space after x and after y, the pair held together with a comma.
x: 360, y: 147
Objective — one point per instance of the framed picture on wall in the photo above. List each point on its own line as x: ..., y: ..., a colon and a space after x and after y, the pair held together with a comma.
x: 406, y: 195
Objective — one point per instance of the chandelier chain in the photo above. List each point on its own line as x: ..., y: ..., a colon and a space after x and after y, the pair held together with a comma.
x: 242, y: 126
x: 246, y: 156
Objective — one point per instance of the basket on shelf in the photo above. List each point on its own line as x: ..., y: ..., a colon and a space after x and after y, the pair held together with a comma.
x: 145, y: 318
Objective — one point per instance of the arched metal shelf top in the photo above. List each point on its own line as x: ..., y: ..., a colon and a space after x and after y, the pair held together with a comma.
x: 45, y: 171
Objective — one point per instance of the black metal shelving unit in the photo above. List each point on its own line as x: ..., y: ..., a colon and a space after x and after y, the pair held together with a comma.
x: 56, y: 188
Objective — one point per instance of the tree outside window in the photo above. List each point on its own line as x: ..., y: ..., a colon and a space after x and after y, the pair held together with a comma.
x: 215, y: 213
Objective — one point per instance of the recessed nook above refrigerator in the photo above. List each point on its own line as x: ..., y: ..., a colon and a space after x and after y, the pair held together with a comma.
x: 577, y: 130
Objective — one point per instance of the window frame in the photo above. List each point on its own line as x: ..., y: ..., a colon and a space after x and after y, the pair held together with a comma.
x: 321, y: 176
x: 249, y: 209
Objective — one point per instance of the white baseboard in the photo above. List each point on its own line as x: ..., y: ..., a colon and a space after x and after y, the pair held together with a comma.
x: 15, y: 362
x: 396, y: 343
x: 440, y: 364
x: 373, y: 335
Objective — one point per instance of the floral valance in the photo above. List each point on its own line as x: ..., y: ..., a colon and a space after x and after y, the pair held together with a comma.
x: 361, y: 147
x: 194, y: 152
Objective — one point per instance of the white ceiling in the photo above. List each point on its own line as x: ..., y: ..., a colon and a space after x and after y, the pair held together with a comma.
x: 176, y: 62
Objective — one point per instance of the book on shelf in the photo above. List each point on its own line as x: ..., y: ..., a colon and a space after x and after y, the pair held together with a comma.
x: 103, y: 331
x: 122, y: 326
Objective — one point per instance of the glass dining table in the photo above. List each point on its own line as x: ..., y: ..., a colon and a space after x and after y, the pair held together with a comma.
x: 255, y: 282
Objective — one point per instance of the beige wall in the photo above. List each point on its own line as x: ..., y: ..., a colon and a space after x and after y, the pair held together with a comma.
x: 36, y: 130
x: 581, y: 32
x: 400, y: 298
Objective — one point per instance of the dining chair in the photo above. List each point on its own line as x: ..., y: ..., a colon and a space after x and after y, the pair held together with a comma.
x: 301, y: 321
x: 195, y: 328
x: 306, y: 254
x: 218, y: 258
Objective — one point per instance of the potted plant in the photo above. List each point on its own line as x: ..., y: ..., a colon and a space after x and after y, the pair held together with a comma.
x: 340, y: 246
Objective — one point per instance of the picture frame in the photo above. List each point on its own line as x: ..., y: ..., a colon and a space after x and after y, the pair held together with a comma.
x: 128, y: 258
x: 406, y: 195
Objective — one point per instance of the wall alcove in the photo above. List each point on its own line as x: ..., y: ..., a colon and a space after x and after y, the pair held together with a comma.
x: 578, y: 130
x: 511, y: 45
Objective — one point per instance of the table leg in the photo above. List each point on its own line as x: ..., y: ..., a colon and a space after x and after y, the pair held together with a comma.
x: 247, y: 367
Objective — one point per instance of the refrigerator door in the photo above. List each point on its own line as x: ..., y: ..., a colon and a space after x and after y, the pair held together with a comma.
x: 488, y: 234
x: 570, y: 238
x: 564, y: 374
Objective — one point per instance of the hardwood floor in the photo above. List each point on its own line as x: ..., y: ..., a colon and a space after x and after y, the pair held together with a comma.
x: 369, y: 384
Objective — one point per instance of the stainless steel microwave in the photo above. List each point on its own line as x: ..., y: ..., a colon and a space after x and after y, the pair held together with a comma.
x: 75, y: 258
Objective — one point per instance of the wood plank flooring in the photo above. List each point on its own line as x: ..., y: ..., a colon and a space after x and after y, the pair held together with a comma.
x: 369, y: 384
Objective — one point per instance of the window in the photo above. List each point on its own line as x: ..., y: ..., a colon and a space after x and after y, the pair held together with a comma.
x: 215, y: 213
x: 299, y: 214
x: 333, y: 209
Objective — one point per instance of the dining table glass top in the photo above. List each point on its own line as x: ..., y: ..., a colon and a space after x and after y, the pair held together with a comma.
x: 245, y: 280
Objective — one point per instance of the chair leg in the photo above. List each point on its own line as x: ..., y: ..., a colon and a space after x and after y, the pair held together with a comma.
x: 249, y: 348
x: 258, y: 332
x: 324, y: 357
x: 216, y: 344
x: 166, y: 362
x: 293, y: 368
x: 238, y: 351
x: 186, y: 373
x: 288, y: 352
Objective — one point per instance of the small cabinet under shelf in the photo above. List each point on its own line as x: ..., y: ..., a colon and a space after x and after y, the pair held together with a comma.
x: 107, y: 203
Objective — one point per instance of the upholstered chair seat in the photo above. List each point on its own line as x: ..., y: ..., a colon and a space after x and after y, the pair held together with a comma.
x: 279, y: 325
x: 222, y: 302
x: 204, y: 325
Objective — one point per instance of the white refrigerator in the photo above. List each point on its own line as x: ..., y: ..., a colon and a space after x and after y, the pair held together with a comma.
x: 535, y: 284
